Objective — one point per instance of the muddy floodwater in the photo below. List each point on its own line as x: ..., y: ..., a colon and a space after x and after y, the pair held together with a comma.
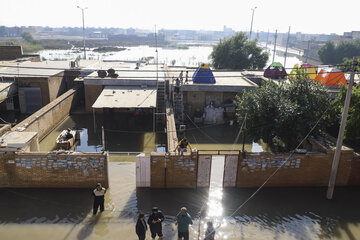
x: 123, y: 133
x: 275, y: 213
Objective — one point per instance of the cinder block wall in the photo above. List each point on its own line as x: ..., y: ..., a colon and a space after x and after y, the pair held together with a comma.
x: 10, y: 52
x: 301, y: 170
x: 42, y: 170
x: 50, y: 115
x: 180, y: 172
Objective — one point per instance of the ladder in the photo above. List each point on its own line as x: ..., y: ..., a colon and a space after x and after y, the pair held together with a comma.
x: 160, y: 102
x: 178, y: 104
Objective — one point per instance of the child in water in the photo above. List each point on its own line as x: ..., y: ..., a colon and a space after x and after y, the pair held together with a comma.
x: 210, y: 231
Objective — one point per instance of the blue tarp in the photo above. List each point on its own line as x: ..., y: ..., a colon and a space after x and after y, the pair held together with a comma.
x: 203, y: 74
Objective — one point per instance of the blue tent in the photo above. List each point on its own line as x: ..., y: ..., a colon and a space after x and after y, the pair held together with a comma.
x: 203, y: 74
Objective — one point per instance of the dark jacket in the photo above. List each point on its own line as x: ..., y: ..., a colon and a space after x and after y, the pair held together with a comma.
x: 155, y: 226
x: 141, y: 227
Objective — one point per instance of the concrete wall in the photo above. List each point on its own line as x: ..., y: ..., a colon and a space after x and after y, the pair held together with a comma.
x: 42, y: 170
x: 10, y: 52
x: 49, y: 116
x: 92, y: 92
x: 178, y: 172
x: 301, y: 170
x: 354, y: 178
x: 4, y: 128
x: 199, y: 100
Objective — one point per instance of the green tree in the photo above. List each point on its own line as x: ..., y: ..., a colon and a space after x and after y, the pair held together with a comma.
x: 335, y: 54
x: 281, y: 114
x: 238, y: 53
x: 28, y: 37
x: 352, y: 131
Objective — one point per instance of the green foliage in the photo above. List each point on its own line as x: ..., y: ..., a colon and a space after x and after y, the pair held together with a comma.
x: 335, y: 54
x: 238, y: 53
x: 28, y: 37
x: 282, y: 113
x: 27, y: 47
x: 352, y: 131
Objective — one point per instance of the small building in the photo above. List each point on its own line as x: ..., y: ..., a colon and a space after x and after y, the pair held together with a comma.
x: 199, y: 94
x: 31, y: 85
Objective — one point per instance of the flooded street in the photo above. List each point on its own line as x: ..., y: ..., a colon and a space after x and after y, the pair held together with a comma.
x: 275, y: 213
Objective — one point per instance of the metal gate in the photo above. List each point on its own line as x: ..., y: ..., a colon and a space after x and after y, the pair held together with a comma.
x: 230, y: 170
x: 204, y: 170
x: 143, y: 170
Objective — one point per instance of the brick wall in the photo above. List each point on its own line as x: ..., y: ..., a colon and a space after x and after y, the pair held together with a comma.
x: 42, y: 170
x: 49, y: 116
x: 354, y: 178
x: 10, y: 52
x: 180, y: 172
x: 300, y: 170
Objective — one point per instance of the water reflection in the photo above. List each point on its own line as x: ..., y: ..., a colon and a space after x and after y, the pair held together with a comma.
x: 275, y: 213
x: 123, y: 133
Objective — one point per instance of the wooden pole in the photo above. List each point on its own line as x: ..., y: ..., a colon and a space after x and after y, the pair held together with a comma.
x: 287, y: 45
x: 103, y: 138
x: 94, y: 120
x: 340, y: 138
x: 275, y: 46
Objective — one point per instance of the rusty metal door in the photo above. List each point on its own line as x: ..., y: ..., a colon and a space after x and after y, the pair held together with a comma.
x: 230, y: 170
x: 204, y: 170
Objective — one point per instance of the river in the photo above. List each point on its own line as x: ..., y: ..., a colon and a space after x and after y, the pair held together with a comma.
x: 192, y: 57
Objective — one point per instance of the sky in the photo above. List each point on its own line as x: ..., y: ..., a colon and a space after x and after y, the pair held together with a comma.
x: 307, y: 16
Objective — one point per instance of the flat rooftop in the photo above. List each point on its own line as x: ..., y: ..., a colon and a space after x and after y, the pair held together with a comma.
x: 128, y: 75
x: 227, y: 81
x: 37, y: 69
x: 16, y: 139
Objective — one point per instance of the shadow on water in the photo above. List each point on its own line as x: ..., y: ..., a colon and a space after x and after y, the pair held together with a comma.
x: 44, y: 205
x: 296, y: 210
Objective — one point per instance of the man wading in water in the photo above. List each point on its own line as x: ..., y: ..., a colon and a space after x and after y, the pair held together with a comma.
x: 155, y: 220
x: 98, y: 193
x: 183, y: 220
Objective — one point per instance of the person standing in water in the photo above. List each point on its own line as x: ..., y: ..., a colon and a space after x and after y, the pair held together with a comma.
x: 210, y: 231
x: 99, y: 193
x: 141, y: 227
x: 155, y: 222
x: 183, y: 220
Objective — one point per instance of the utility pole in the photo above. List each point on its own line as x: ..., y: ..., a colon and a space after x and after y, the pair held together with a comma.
x: 287, y: 45
x: 340, y: 138
x: 267, y: 40
x: 244, y: 137
x: 83, y: 22
x: 307, y: 52
x: 252, y: 19
x: 103, y: 138
x: 275, y: 46
x: 157, y: 56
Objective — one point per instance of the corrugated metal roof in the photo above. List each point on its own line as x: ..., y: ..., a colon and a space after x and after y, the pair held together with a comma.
x: 126, y: 97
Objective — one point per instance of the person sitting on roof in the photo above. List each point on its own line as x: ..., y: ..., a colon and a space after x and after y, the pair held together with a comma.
x: 68, y: 134
x: 182, y: 146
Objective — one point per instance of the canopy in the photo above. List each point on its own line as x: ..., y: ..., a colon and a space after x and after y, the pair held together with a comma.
x: 275, y: 71
x: 304, y: 69
x: 203, y: 74
x: 126, y: 97
x: 331, y: 77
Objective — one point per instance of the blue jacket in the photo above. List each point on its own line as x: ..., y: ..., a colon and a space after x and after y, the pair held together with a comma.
x: 184, y: 222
